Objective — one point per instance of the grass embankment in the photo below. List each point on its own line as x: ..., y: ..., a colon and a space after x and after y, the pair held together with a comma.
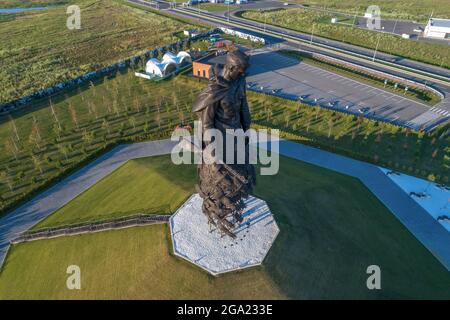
x: 332, y: 229
x: 415, y: 93
x: 38, y: 50
x: 142, y: 185
x: 418, y: 10
x: 308, y: 21
x: 421, y: 154
x: 33, y: 3
x: 214, y: 7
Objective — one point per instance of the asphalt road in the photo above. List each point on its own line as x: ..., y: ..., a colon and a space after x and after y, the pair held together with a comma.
x: 342, y: 46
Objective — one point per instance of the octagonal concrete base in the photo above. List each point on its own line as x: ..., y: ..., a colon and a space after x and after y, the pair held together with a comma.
x: 193, y: 240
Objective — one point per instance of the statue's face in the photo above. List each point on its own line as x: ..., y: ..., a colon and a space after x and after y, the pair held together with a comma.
x: 234, y: 72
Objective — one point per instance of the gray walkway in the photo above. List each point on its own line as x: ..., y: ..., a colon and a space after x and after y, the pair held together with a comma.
x: 432, y: 235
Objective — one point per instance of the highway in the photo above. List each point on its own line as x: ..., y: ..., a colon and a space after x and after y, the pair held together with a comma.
x: 400, y: 110
x: 432, y: 73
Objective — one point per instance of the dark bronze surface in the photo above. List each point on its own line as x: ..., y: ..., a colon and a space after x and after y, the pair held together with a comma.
x: 223, y: 105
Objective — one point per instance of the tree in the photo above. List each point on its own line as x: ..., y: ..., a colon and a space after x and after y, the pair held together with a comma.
x: 73, y: 115
x: 11, y: 148
x: 37, y: 162
x: 92, y: 88
x: 287, y: 117
x: 132, y: 121
x: 55, y: 116
x: 108, y: 105
x: 6, y: 179
x: 94, y: 110
x: 105, y: 125
x: 88, y: 137
x: 63, y: 149
x: 175, y: 101
x: 330, y: 126
x: 181, y: 116
x: 35, y: 135
x: 57, y: 130
x: 116, y: 107
x: 158, y: 120
x: 137, y: 105
x: 14, y: 127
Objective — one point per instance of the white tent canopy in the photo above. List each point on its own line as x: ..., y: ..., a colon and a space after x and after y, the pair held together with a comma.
x: 182, y: 58
x: 155, y: 67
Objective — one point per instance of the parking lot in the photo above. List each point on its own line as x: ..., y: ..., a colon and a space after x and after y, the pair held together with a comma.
x: 283, y: 76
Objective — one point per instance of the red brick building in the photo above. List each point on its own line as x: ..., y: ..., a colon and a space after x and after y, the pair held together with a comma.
x: 202, y: 67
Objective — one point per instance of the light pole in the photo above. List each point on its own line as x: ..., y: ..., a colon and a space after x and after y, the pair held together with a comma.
x: 228, y: 16
x: 376, y: 48
x: 395, y: 24
x: 354, y: 18
x: 265, y: 20
x: 312, y: 32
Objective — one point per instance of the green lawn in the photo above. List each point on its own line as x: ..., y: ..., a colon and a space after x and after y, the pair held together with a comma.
x: 332, y: 229
x: 215, y: 7
x: 33, y: 3
x: 404, y: 9
x: 38, y: 50
x: 141, y: 185
x: 124, y: 264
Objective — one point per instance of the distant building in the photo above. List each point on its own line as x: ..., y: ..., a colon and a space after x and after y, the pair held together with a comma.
x: 203, y: 68
x: 159, y: 68
x: 437, y: 28
x: 169, y: 64
x: 180, y: 59
x: 191, y: 32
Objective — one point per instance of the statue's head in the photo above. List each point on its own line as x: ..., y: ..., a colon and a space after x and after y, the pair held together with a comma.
x: 236, y: 64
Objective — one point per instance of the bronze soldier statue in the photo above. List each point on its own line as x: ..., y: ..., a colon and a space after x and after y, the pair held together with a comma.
x: 223, y: 105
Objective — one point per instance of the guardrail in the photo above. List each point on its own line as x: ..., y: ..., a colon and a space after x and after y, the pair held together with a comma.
x: 383, y: 73
x: 126, y: 222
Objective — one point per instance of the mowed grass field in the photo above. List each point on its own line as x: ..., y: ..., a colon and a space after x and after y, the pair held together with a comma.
x: 318, y: 23
x: 32, y: 3
x: 148, y: 185
x: 332, y: 229
x: 404, y: 9
x: 38, y: 50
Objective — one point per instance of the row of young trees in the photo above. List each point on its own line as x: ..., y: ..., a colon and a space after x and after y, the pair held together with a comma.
x: 66, y: 132
x: 418, y: 153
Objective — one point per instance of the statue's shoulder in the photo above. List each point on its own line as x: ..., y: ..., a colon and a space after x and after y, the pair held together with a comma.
x: 209, y: 95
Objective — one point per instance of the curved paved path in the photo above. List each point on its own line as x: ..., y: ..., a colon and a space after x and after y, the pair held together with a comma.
x: 427, y: 230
